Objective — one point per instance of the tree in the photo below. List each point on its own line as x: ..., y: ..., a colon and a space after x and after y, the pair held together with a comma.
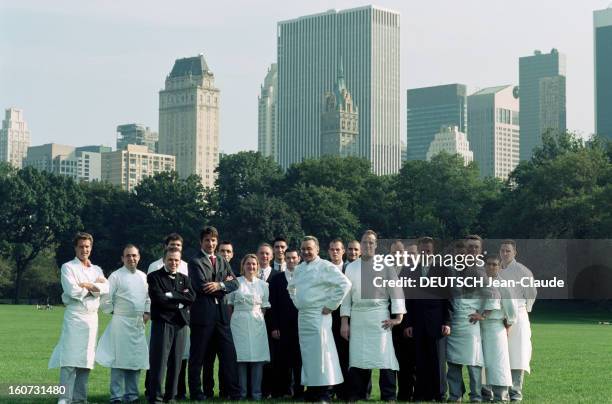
x: 324, y: 212
x: 440, y: 198
x: 563, y: 192
x: 260, y: 218
x: 36, y: 210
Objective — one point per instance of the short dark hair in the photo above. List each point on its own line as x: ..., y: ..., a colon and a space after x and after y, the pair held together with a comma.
x: 492, y: 257
x: 336, y: 240
x: 509, y: 242
x: 226, y: 242
x: 82, y: 236
x: 369, y: 232
x: 292, y: 249
x: 130, y: 245
x: 473, y: 237
x: 209, y: 231
x: 173, y: 237
x: 279, y: 238
x: 425, y: 240
x: 170, y: 250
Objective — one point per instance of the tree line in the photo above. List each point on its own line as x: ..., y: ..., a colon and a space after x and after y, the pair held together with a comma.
x: 564, y: 191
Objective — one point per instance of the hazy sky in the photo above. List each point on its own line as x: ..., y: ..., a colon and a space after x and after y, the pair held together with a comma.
x: 80, y: 68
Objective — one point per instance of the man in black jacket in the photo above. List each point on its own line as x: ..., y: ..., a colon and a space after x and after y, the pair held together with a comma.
x: 171, y: 295
x: 212, y: 278
x: 284, y: 325
x: 427, y: 322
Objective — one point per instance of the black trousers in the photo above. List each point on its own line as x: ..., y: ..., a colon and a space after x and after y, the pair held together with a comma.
x: 317, y: 393
x: 166, y: 353
x: 208, y: 373
x: 202, y: 338
x: 430, y: 366
x: 181, y: 388
x: 359, y: 379
x: 288, y: 366
x: 342, y: 346
x: 406, y: 377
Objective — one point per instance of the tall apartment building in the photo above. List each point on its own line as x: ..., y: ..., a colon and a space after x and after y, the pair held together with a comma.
x: 430, y: 108
x: 14, y: 138
x: 189, y: 119
x: 127, y: 167
x: 80, y: 163
x: 267, y: 128
x: 542, y: 101
x: 339, y: 121
x: 493, y: 130
x: 602, y: 39
x: 133, y: 133
x: 450, y: 140
x: 310, y: 48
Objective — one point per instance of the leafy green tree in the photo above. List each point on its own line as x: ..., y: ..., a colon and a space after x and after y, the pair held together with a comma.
x: 324, y: 212
x: 36, y: 210
x: 563, y: 192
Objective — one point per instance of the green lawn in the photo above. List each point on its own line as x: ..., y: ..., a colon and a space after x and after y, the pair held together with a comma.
x: 572, y: 356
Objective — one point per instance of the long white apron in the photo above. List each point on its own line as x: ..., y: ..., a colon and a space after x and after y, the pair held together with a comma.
x: 77, y: 344
x: 371, y: 346
x: 495, y: 350
x: 464, y: 344
x: 320, y: 364
x: 123, y: 344
x: 519, y: 341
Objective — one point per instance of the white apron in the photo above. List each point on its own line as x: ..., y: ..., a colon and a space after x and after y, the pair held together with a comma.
x: 370, y: 346
x: 495, y: 350
x: 247, y: 322
x: 519, y: 341
x: 320, y: 364
x: 77, y: 343
x: 464, y: 344
x: 123, y: 344
x: 315, y: 285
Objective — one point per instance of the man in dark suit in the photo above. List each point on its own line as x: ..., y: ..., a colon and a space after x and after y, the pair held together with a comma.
x: 212, y: 278
x: 427, y: 322
x: 171, y: 295
x: 269, y: 387
x: 284, y: 325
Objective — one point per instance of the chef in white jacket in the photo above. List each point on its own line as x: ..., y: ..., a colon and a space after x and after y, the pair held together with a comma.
x: 248, y: 304
x: 316, y: 289
x: 82, y: 283
x: 496, y: 318
x: 519, y: 338
x: 369, y: 333
x: 123, y: 347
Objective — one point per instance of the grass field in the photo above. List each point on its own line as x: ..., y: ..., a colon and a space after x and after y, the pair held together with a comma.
x: 572, y: 355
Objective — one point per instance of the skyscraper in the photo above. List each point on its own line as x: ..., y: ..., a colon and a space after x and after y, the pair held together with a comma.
x: 14, y: 138
x: 429, y: 109
x: 493, y: 130
x: 81, y: 163
x: 133, y: 133
x: 602, y: 38
x: 267, y: 129
x: 339, y: 121
x: 189, y: 119
x: 367, y: 40
x: 542, y: 101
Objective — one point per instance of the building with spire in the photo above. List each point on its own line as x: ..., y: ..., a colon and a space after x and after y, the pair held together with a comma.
x: 189, y: 119
x: 267, y: 129
x: 14, y: 138
x: 339, y: 121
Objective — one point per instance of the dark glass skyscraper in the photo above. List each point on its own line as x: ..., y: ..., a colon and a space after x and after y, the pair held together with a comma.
x: 542, y: 98
x: 430, y: 108
x: 602, y: 33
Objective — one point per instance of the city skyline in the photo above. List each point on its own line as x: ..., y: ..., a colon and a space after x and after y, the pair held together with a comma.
x: 124, y: 55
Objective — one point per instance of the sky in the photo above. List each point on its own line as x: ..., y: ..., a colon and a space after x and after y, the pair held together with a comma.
x: 80, y: 68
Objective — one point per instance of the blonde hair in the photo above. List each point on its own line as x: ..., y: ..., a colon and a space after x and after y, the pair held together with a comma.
x: 244, y: 260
